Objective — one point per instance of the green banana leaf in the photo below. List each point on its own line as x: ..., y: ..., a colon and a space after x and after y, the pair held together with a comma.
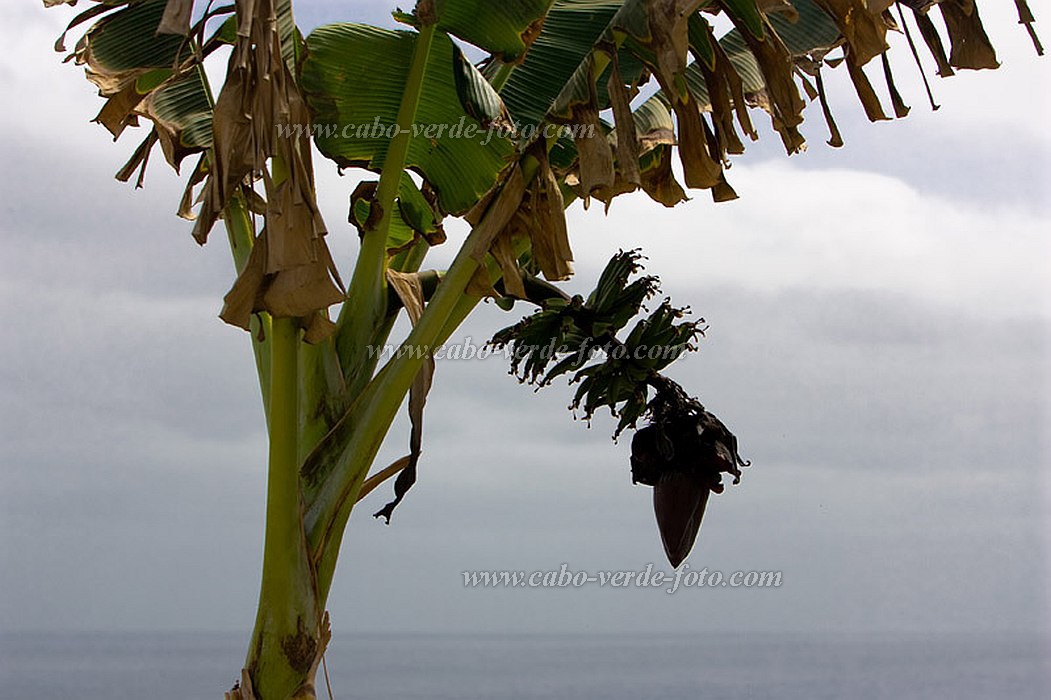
x: 355, y: 100
x: 504, y: 29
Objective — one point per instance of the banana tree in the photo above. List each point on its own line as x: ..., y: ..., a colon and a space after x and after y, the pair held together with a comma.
x: 571, y: 100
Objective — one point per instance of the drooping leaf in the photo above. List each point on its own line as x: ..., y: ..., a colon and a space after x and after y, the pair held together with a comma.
x: 901, y: 110
x: 775, y: 62
x: 934, y: 43
x: 1025, y: 16
x: 915, y: 56
x: 182, y: 114
x: 143, y: 72
x: 658, y: 180
x: 86, y: 15
x: 970, y: 45
x: 121, y: 48
x: 866, y: 93
x: 628, y: 149
x: 594, y: 152
x: 540, y: 220
x: 295, y: 292
x: 410, y: 291
x: 835, y: 139
x: 290, y: 271
x: 861, y: 24
x: 125, y: 44
x: 491, y: 217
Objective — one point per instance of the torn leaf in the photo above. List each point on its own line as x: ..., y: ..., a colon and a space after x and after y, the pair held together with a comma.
x: 835, y: 139
x: 1025, y: 16
x: 409, y: 289
x: 550, y: 236
x: 867, y: 95
x: 627, y: 139
x: 934, y: 43
x: 659, y: 182
x: 901, y: 110
x: 593, y: 148
x: 969, y: 45
x: 861, y: 24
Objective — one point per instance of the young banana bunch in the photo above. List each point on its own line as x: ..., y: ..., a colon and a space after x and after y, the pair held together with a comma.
x: 683, y: 449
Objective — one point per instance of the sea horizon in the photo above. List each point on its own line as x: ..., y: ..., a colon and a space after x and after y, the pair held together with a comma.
x: 182, y: 665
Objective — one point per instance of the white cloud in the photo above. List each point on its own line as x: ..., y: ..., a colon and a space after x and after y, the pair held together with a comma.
x: 836, y: 229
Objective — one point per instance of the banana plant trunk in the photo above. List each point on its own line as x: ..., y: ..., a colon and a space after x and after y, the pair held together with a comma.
x: 306, y: 515
x: 288, y: 638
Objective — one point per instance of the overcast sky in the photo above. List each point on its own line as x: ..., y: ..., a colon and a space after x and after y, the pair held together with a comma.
x: 878, y: 341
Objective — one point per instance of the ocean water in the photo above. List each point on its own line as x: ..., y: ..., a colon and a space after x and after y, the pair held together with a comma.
x: 183, y: 666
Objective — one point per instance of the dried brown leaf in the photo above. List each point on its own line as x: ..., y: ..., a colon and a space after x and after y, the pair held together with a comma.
x: 196, y: 177
x: 723, y: 192
x: 300, y: 291
x: 595, y: 153
x: 297, y: 277
x: 669, y: 40
x: 294, y: 292
x: 969, y: 44
x: 934, y: 43
x: 176, y: 18
x: 835, y: 138
x: 700, y: 168
x: 659, y: 182
x: 627, y: 139
x: 728, y: 76
x: 498, y: 214
x: 118, y: 112
x: 620, y: 186
x: 317, y: 327
x: 410, y: 290
x: 720, y: 95
x: 503, y: 251
x: 784, y: 101
x: 861, y: 24
x: 138, y: 161
x: 549, y: 235
x: 916, y: 58
x: 867, y: 95
x: 901, y: 109
x: 246, y: 295
x: 1025, y: 16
